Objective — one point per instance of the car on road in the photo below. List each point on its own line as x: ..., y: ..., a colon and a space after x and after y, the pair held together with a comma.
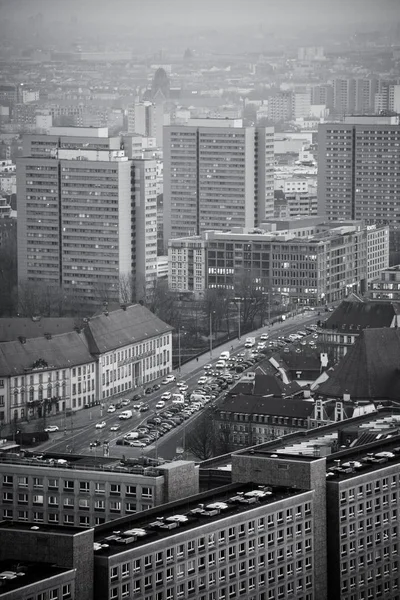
x: 138, y: 405
x: 264, y: 337
x: 183, y: 387
x: 202, y: 380
x: 101, y: 425
x: 148, y: 390
x: 160, y: 404
x: 51, y: 429
x: 144, y: 407
x: 136, y: 397
x: 111, y: 408
x: 156, y: 387
x: 125, y: 402
x: 168, y: 379
x: 166, y: 396
x: 115, y: 427
x: 207, y: 367
x: 95, y: 444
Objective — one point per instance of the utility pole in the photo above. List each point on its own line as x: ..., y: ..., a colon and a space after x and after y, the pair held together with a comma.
x: 179, y: 350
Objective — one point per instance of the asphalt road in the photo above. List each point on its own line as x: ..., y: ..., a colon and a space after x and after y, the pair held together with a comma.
x: 78, y: 431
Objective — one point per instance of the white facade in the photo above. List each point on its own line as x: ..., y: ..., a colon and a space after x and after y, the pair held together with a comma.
x: 134, y: 365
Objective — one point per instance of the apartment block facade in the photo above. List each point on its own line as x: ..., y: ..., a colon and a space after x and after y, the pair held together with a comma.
x: 75, y: 212
x: 78, y: 493
x: 358, y: 176
x: 217, y: 174
x: 308, y: 264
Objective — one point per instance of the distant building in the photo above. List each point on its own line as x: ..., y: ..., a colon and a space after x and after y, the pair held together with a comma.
x: 387, y: 286
x: 83, y: 492
x: 368, y: 371
x: 358, y: 176
x: 290, y: 259
x: 46, y: 371
x: 147, y: 119
x: 98, y: 227
x: 217, y: 174
x: 342, y: 328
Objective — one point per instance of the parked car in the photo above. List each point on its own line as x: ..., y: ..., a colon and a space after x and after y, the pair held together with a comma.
x: 168, y: 379
x: 136, y: 397
x: 160, y: 404
x: 137, y: 444
x: 111, y: 409
x: 166, y: 396
x: 101, y: 425
x: 51, y: 429
x: 156, y: 387
x: 148, y: 390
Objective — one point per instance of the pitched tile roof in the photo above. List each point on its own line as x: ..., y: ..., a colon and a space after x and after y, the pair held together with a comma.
x: 11, y: 328
x: 61, y: 351
x: 260, y: 405
x: 121, y: 327
x: 355, y: 316
x: 370, y: 370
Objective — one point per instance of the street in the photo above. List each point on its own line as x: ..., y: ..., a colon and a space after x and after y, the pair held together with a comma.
x: 76, y: 433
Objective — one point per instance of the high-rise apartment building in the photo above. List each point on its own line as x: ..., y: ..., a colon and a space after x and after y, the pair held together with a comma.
x: 358, y: 174
x: 80, y: 204
x: 147, y: 119
x: 217, y: 175
x: 354, y: 95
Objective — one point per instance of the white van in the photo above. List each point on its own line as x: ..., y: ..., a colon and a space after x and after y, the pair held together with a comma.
x: 224, y: 355
x: 126, y: 414
x: 220, y: 364
x: 178, y: 399
x: 197, y: 398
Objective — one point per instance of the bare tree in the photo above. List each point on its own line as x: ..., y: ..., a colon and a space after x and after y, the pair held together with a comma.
x: 127, y: 288
x: 201, y: 441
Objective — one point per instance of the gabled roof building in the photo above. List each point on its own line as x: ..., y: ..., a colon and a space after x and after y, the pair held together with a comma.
x: 113, y: 353
x: 343, y: 326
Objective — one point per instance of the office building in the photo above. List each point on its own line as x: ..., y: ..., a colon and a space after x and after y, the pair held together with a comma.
x: 354, y: 95
x: 387, y: 286
x: 79, y: 214
x: 60, y: 369
x: 85, y: 491
x: 217, y: 174
x: 304, y: 260
x: 358, y: 175
x: 43, y: 562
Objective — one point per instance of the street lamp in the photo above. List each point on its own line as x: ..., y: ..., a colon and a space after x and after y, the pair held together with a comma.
x: 179, y: 350
x: 238, y: 300
x: 211, y: 335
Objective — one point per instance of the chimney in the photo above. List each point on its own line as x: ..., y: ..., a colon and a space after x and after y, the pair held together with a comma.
x: 48, y: 336
x: 22, y: 339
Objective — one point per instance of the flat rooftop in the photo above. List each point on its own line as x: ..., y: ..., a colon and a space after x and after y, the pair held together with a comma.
x: 363, y: 459
x: 196, y: 511
x: 18, y: 574
x: 42, y: 527
x: 323, y: 441
x: 146, y: 466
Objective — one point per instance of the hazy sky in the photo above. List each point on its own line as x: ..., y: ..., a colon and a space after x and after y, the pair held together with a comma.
x: 216, y: 14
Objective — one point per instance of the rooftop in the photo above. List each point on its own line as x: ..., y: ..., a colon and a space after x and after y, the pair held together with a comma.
x: 352, y: 317
x: 141, y: 466
x: 15, y: 575
x: 121, y: 327
x: 369, y: 370
x: 325, y: 440
x: 170, y: 519
x: 364, y: 459
x: 12, y: 328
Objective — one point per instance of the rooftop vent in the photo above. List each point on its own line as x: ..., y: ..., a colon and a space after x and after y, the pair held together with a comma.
x: 22, y: 339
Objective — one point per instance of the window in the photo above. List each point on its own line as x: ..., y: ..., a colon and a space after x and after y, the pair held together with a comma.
x: 69, y: 486
x: 131, y: 490
x: 66, y: 590
x: 8, y: 480
x: 22, y: 481
x: 115, y: 488
x: 84, y: 486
